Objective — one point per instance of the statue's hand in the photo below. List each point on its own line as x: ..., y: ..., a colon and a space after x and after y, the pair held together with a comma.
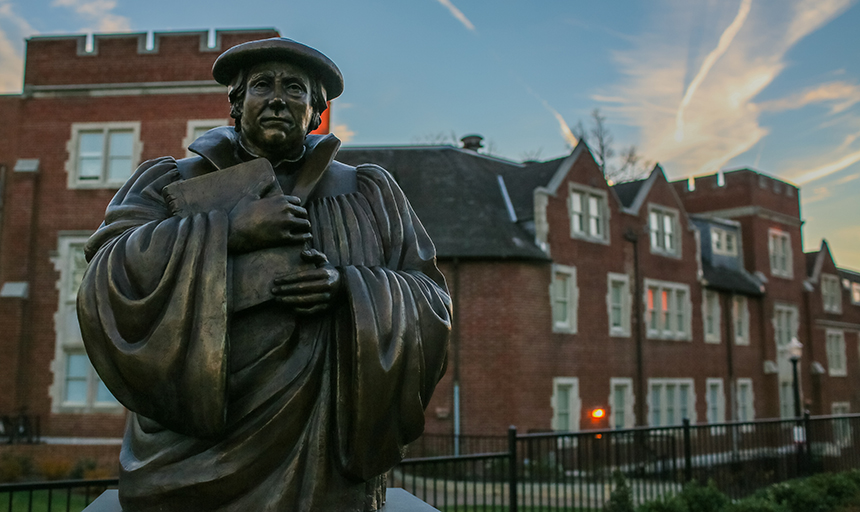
x: 257, y: 223
x: 310, y: 291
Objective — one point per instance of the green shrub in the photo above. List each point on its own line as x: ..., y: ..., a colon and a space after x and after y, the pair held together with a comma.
x: 82, y: 467
x: 701, y: 498
x: 754, y: 504
x: 669, y: 504
x: 621, y: 499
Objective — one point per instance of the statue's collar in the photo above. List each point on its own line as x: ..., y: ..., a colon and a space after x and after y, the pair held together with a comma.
x: 221, y: 147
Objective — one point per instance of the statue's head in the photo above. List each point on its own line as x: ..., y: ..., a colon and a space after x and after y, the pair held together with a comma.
x: 278, y: 90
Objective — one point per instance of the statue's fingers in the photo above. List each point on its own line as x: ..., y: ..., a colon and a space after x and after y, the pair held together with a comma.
x: 297, y: 238
x: 311, y: 310
x: 305, y: 300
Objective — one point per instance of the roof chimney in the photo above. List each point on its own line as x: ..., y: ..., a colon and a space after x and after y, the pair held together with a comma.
x: 472, y: 142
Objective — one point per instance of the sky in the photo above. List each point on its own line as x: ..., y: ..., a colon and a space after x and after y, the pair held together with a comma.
x: 696, y: 85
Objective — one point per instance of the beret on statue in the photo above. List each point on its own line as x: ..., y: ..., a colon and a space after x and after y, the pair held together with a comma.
x: 245, y: 55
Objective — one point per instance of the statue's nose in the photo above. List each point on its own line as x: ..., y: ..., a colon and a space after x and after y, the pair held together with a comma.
x: 277, y: 103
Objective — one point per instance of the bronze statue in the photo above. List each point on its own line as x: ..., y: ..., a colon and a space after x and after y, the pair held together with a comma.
x: 276, y: 351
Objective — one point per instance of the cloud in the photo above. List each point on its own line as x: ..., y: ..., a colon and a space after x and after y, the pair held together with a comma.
x: 720, y: 118
x: 842, y: 95
x: 818, y: 194
x: 98, y: 12
x: 722, y: 45
x: 343, y: 132
x: 825, y: 170
x: 12, y: 28
x: 457, y: 13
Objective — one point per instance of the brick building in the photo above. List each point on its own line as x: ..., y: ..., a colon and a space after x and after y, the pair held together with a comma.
x: 650, y: 299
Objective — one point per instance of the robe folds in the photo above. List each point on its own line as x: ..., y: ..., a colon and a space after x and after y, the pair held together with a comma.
x: 262, y: 410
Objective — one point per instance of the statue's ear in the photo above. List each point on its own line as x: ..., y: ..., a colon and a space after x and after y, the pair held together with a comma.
x: 315, y: 123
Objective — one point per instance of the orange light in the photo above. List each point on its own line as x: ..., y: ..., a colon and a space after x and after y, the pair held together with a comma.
x: 598, y: 413
x: 599, y: 436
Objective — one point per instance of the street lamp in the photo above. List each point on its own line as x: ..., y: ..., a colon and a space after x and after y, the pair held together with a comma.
x: 795, y: 351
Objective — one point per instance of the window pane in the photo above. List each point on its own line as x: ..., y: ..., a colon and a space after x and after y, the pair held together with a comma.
x: 73, y: 328
x: 715, y: 240
x: 665, y: 300
x: 684, y: 396
x: 618, y: 407
x: 594, y: 211
x: 668, y: 229
x: 655, y: 230
x: 91, y: 144
x: 655, y: 406
x: 121, y: 143
x: 652, y: 311
x: 561, y: 289
x: 103, y: 395
x: 77, y: 365
x: 670, y: 404
x: 76, y: 391
x: 89, y: 168
x: 119, y: 169
x: 730, y: 243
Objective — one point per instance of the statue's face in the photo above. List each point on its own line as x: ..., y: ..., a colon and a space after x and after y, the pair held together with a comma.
x: 276, y: 111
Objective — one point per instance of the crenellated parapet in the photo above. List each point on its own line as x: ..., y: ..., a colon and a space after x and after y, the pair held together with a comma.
x: 168, y: 57
x: 737, y: 189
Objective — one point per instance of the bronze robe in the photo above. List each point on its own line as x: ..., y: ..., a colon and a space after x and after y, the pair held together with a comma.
x: 261, y: 410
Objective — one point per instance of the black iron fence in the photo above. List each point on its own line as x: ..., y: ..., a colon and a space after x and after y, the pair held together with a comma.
x: 58, y: 496
x: 573, y: 471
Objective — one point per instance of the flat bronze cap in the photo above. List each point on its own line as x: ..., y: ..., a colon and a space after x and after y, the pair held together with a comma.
x: 245, y: 55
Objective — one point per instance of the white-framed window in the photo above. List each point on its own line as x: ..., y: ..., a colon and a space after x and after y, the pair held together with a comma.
x: 589, y: 213
x: 665, y: 230
x: 831, y: 293
x: 855, y: 293
x: 836, y: 366
x: 621, y: 400
x: 841, y: 428
x: 618, y: 304
x: 103, y: 155
x: 197, y: 127
x: 670, y: 401
x: 741, y: 319
x: 565, y: 297
x: 77, y: 387
x: 779, y: 246
x: 711, y: 315
x: 745, y: 406
x: 566, y: 406
x: 724, y: 242
x: 667, y: 310
x: 784, y: 324
x: 786, y: 399
x: 715, y: 400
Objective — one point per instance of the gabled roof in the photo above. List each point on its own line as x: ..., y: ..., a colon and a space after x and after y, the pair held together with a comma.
x: 628, y: 191
x: 457, y: 195
x: 815, y: 261
x: 522, y: 182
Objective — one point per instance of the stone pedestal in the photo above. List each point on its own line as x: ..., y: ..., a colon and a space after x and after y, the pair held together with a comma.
x: 396, y: 500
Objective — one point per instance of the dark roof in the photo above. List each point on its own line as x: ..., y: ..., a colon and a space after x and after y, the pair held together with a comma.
x: 811, y: 257
x: 521, y: 183
x: 851, y: 275
x: 731, y: 280
x: 457, y: 196
x: 627, y: 191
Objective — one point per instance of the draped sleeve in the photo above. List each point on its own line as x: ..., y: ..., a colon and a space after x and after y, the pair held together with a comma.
x: 153, y: 306
x: 392, y: 338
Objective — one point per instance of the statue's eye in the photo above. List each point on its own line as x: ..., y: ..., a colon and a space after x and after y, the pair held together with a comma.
x: 295, y: 89
x: 261, y: 85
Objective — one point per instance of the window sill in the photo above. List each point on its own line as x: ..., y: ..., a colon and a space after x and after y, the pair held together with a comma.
x: 588, y: 238
x: 668, y: 254
x: 563, y: 329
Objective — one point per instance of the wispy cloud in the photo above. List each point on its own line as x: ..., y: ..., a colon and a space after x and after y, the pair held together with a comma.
x: 720, y: 117
x: 98, y: 12
x: 818, y: 194
x: 566, y: 132
x: 12, y: 28
x: 827, y: 169
x: 842, y: 96
x: 722, y: 45
x: 457, y: 13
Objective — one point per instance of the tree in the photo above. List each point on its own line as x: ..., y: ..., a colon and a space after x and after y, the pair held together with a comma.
x: 628, y: 166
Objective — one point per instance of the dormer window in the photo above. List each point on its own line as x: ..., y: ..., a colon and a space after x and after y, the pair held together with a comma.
x: 724, y: 242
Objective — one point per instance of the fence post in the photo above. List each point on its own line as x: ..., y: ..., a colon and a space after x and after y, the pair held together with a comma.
x: 805, y: 469
x: 688, y: 452
x: 512, y: 469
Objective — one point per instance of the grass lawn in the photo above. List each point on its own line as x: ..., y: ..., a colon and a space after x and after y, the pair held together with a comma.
x: 59, y: 502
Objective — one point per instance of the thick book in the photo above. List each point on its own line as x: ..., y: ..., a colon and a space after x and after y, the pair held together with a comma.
x: 254, y: 272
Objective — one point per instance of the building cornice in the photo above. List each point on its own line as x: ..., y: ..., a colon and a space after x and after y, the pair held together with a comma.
x: 753, y: 211
x: 124, y: 89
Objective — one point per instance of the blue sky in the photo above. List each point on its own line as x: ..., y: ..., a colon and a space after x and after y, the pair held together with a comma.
x: 698, y: 85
